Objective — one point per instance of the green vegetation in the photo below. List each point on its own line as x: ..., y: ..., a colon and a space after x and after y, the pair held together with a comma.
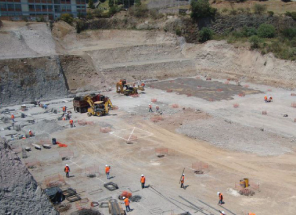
x: 91, y: 4
x: 201, y: 9
x: 139, y: 10
x: 265, y: 39
x: 259, y: 8
x: 205, y: 34
x: 291, y: 14
x: 66, y: 17
x: 266, y: 31
x: 255, y: 41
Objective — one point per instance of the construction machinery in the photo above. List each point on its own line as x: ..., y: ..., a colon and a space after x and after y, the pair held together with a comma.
x: 130, y: 89
x: 92, y: 104
x: 97, y: 108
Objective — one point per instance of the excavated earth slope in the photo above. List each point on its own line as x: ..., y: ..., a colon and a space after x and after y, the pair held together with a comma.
x: 19, y: 192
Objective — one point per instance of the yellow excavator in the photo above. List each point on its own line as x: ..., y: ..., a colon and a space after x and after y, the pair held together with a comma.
x: 129, y: 90
x: 98, y: 108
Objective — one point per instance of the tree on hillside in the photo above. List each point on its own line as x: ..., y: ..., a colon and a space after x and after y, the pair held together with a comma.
x: 111, y: 3
x: 91, y: 4
x: 260, y: 8
x: 266, y: 31
x: 205, y: 34
x: 138, y: 2
x: 201, y: 9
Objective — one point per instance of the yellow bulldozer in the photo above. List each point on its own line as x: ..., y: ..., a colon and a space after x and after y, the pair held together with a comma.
x: 130, y: 89
x: 98, y: 108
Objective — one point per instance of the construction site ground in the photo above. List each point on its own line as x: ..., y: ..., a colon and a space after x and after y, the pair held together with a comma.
x: 200, y: 131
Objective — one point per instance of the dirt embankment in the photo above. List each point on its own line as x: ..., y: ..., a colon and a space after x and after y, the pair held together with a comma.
x: 30, y: 79
x: 19, y: 192
x: 221, y: 60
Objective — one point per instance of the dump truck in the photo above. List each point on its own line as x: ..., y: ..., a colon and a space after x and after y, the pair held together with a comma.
x: 81, y: 105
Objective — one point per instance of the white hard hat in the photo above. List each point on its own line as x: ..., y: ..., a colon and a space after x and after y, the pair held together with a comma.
x: 183, y: 174
x: 67, y: 165
x: 142, y: 175
x: 29, y: 130
x: 106, y: 165
x: 222, y: 212
x: 218, y: 193
x: 123, y: 197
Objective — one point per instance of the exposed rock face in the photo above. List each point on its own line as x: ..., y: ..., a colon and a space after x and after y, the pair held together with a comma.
x: 29, y: 79
x: 19, y: 192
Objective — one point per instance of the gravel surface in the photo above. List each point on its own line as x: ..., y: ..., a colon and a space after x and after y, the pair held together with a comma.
x: 19, y: 192
x: 233, y: 136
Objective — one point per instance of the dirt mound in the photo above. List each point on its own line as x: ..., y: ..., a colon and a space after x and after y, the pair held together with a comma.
x: 19, y: 192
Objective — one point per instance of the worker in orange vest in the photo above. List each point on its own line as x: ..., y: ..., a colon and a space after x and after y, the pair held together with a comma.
x: 150, y: 108
x: 71, y: 123
x: 142, y: 180
x: 12, y: 117
x: 265, y: 98
x: 126, y: 202
x: 107, y: 171
x: 182, y: 180
x: 67, y: 170
x: 64, y: 109
x: 31, y: 133
x: 220, y: 198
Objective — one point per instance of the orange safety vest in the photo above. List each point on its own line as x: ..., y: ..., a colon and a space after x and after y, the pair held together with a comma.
x: 107, y: 169
x: 64, y: 108
x: 71, y: 122
x: 12, y: 116
x: 265, y: 98
x: 30, y: 133
x: 67, y: 169
x: 182, y: 179
x: 143, y: 179
x: 126, y: 202
x: 220, y: 196
x: 252, y: 214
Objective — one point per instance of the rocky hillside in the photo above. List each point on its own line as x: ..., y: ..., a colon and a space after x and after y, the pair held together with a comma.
x: 19, y: 192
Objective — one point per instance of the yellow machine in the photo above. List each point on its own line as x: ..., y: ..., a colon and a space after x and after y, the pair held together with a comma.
x: 129, y: 89
x: 244, y: 183
x: 98, y: 108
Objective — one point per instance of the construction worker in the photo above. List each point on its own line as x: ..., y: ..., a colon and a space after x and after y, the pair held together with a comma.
x: 150, y: 108
x: 71, y: 123
x: 64, y: 109
x: 265, y: 98
x: 67, y: 170
x: 182, y: 180
x: 12, y: 117
x: 220, y: 198
x: 126, y: 202
x: 31, y: 133
x: 142, y: 180
x: 107, y: 171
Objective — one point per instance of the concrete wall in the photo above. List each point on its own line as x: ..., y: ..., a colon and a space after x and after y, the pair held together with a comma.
x: 29, y: 79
